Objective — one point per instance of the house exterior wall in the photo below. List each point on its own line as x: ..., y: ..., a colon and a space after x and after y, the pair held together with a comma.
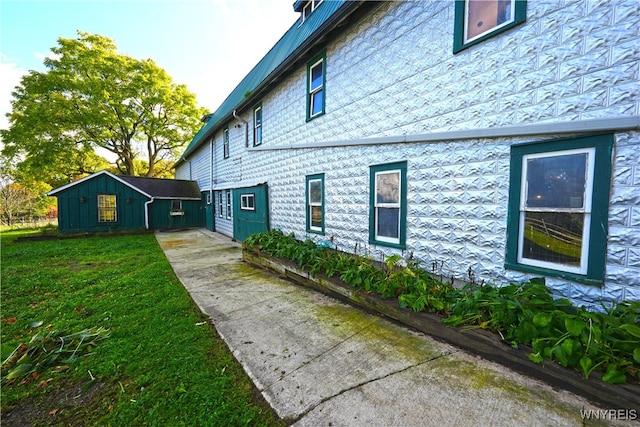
x: 393, y: 73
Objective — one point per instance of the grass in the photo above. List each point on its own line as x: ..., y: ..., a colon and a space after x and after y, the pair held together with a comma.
x: 163, y: 364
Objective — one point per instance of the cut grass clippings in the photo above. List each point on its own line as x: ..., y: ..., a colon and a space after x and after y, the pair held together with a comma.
x: 162, y: 363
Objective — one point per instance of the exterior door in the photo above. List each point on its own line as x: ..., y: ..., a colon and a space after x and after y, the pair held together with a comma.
x: 251, y: 211
x: 209, y: 210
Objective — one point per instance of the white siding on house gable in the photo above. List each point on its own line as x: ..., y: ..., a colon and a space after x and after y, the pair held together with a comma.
x: 394, y: 73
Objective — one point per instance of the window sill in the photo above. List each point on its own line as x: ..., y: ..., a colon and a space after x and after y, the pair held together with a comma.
x: 388, y: 244
x: 572, y: 277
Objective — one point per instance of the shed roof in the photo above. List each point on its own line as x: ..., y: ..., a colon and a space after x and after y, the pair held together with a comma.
x: 295, y: 42
x: 158, y: 188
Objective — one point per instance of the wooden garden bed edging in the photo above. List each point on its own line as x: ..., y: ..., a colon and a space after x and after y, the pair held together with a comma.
x: 479, y: 342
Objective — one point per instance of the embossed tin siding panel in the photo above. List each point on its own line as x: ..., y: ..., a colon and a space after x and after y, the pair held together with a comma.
x: 200, y: 166
x: 393, y: 73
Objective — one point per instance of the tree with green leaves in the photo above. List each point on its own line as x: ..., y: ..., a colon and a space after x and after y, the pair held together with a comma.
x: 91, y: 98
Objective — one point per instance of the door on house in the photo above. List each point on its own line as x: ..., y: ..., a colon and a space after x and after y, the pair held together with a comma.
x: 209, y: 211
x: 251, y: 211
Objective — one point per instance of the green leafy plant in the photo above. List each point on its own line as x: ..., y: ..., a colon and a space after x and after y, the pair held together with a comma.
x: 522, y: 314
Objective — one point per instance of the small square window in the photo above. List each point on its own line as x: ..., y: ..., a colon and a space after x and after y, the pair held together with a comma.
x: 477, y: 20
x: 248, y: 202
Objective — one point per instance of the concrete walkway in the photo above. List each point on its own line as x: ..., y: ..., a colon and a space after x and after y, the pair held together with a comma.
x: 320, y: 362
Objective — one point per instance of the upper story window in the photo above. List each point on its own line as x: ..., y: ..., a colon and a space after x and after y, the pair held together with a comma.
x: 225, y: 142
x: 558, y: 208
x: 477, y: 20
x: 257, y: 125
x: 107, y: 211
x: 305, y: 7
x: 316, y: 77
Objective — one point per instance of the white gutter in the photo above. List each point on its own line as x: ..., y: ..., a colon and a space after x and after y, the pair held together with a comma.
x: 146, y: 212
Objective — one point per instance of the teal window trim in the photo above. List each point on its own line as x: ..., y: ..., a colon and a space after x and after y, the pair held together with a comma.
x: 459, y: 43
x: 598, y: 227
x: 316, y: 92
x: 401, y: 167
x: 257, y: 124
x: 309, y: 204
x: 225, y: 142
x: 228, y: 204
x: 220, y: 204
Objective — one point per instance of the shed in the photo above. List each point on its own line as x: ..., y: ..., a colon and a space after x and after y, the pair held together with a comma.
x: 107, y: 202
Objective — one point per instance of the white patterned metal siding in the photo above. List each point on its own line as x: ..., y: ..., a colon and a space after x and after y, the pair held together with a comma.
x: 394, y: 73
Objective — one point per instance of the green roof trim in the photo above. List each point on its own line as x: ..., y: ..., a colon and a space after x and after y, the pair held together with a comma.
x: 293, y: 44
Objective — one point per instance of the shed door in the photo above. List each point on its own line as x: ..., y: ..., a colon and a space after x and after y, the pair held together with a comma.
x: 251, y: 209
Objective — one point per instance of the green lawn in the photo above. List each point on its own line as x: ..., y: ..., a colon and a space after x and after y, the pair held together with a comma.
x: 162, y: 364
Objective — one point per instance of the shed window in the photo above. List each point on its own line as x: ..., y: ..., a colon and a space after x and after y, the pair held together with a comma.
x: 107, y: 211
x: 176, y: 206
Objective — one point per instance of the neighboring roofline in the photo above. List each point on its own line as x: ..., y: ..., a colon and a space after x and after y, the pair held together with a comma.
x: 611, y: 124
x: 86, y: 178
x: 122, y: 181
x: 318, y: 35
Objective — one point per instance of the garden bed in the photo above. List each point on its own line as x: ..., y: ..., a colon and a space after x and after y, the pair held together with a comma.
x: 476, y: 341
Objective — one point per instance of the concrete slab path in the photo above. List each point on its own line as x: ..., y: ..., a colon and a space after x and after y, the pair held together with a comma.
x: 320, y: 362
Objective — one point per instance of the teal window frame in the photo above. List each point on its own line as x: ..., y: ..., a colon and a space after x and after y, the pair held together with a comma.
x: 228, y: 204
x: 596, y: 229
x: 314, y: 91
x: 225, y: 142
x: 257, y: 124
x: 309, y: 204
x: 220, y: 204
x: 459, y: 42
x: 401, y: 168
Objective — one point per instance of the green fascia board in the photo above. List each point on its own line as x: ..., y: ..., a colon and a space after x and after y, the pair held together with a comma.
x: 299, y: 36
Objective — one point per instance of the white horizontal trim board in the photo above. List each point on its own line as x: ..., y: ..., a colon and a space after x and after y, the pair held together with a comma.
x: 553, y: 128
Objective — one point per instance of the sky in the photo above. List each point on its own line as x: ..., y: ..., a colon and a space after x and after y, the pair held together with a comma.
x: 207, y: 45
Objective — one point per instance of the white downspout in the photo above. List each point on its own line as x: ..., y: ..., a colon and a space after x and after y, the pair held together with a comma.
x: 146, y: 212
